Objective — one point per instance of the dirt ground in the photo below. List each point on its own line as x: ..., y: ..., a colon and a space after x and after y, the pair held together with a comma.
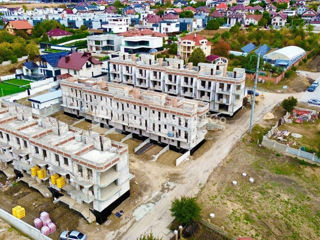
x: 210, y: 33
x: 35, y: 203
x: 293, y: 84
x: 10, y: 69
x: 282, y: 203
x: 9, y: 232
x: 312, y: 65
x: 64, y: 118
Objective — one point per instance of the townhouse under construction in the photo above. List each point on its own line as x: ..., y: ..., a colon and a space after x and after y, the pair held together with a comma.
x: 86, y: 171
x: 208, y: 82
x: 171, y: 120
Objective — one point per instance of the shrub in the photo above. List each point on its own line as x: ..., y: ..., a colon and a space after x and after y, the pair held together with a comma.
x: 185, y: 210
x: 289, y: 104
x: 148, y: 237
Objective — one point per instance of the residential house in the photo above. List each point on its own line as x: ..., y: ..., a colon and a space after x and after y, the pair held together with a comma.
x: 141, y: 41
x: 104, y: 43
x: 279, y: 20
x: 18, y: 25
x: 80, y: 65
x: 252, y: 19
x: 301, y: 10
x: 192, y: 41
x: 45, y: 67
x: 234, y: 18
x: 47, y: 103
x: 58, y: 33
x: 308, y: 15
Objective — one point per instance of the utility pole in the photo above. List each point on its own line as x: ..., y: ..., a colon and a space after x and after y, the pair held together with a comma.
x: 254, y: 93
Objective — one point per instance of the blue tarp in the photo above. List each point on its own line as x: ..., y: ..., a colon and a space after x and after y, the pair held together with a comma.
x: 263, y: 50
x: 248, y: 48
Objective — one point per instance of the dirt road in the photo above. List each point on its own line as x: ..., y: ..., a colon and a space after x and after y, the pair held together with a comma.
x: 196, y: 173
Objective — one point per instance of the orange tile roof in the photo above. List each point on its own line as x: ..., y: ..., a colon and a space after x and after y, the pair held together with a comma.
x: 21, y: 24
x: 195, y: 38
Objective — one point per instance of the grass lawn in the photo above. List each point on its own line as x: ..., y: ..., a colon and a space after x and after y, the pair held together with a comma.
x: 7, y: 89
x: 52, y: 51
x: 282, y: 203
x: 18, y: 82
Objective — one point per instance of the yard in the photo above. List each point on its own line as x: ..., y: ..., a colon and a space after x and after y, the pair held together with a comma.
x: 8, y: 89
x: 282, y: 203
x: 19, y: 82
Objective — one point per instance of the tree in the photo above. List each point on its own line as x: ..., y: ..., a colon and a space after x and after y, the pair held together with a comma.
x: 160, y: 12
x: 83, y: 28
x: 44, y: 26
x: 222, y: 48
x: 148, y: 237
x: 289, y: 104
x: 32, y: 50
x: 118, y: 4
x: 45, y: 37
x: 186, y: 210
x: 186, y: 14
x: 310, y: 28
x: 197, y: 56
x: 173, y: 49
x: 213, y: 25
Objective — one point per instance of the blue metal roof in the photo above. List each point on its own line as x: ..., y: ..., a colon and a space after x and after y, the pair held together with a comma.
x: 30, y: 65
x: 46, y: 97
x: 248, y: 48
x: 263, y: 50
x: 53, y: 58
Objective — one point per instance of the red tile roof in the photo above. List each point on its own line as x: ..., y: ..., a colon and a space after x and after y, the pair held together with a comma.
x: 222, y: 6
x: 144, y: 32
x: 150, y: 18
x: 76, y: 60
x: 58, y: 33
x: 21, y: 24
x: 255, y: 17
x: 195, y: 38
x: 189, y: 9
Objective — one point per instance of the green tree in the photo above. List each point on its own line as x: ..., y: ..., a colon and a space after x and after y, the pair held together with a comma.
x: 45, y: 38
x: 118, y: 4
x: 24, y: 8
x: 148, y: 237
x: 186, y: 14
x: 83, y: 28
x: 173, y: 49
x: 197, y: 56
x: 45, y: 26
x: 185, y: 210
x: 32, y: 50
x: 160, y: 12
x: 289, y: 104
x: 213, y: 24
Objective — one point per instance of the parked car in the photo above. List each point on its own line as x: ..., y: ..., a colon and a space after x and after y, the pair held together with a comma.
x: 315, y: 83
x: 70, y: 235
x: 250, y: 92
x: 311, y: 88
x: 314, y: 101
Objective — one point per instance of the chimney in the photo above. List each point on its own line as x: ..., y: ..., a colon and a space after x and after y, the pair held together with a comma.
x: 195, y: 35
x: 67, y: 58
x: 190, y: 65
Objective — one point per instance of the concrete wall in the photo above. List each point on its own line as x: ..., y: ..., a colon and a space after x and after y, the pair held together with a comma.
x: 182, y: 158
x: 22, y: 226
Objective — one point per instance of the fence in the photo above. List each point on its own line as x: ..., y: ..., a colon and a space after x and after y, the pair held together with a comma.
x: 279, y: 147
x: 23, y: 226
x: 41, y: 83
x: 7, y: 77
x: 219, y: 234
x: 182, y: 158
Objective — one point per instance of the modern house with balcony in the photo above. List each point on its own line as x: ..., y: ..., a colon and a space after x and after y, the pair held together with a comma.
x: 104, y: 43
x: 84, y: 170
x: 208, y: 82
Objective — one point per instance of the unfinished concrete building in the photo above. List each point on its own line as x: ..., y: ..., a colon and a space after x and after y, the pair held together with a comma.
x: 86, y: 171
x: 165, y: 119
x: 208, y: 82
